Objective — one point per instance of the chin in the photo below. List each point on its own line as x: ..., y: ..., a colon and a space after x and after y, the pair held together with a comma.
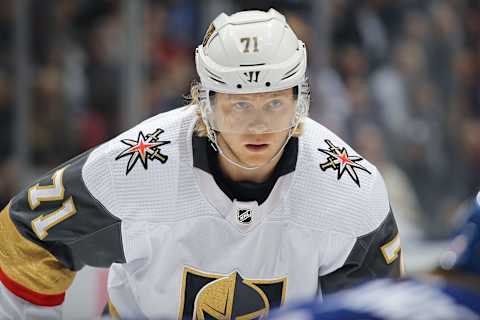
x: 255, y: 163
x: 256, y: 160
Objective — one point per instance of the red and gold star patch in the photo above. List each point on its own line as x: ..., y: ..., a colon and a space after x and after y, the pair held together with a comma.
x: 339, y: 160
x: 145, y: 148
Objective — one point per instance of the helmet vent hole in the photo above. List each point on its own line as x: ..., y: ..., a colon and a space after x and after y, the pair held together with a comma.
x: 239, y: 86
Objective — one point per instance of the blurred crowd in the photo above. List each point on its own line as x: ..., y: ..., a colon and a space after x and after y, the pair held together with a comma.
x: 402, y: 85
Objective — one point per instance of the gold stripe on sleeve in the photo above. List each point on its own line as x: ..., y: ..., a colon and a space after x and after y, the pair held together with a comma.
x: 28, y: 264
x: 113, y: 313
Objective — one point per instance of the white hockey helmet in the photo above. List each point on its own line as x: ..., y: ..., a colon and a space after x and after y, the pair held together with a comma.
x: 251, y: 52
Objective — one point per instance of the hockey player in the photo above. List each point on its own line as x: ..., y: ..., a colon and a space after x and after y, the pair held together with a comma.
x: 452, y: 291
x: 225, y: 208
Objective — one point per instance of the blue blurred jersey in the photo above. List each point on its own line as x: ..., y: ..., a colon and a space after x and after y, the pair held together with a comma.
x: 384, y: 299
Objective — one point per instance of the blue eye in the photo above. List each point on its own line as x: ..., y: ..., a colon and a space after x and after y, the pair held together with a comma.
x: 241, y: 105
x: 274, y: 104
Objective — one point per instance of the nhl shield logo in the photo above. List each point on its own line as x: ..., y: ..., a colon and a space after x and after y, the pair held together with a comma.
x: 244, y: 216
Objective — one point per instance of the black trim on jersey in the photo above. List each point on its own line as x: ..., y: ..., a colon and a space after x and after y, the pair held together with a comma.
x: 205, y: 157
x: 366, y: 260
x: 92, y: 236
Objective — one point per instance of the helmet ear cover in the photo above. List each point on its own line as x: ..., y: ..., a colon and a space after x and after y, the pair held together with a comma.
x: 295, y: 92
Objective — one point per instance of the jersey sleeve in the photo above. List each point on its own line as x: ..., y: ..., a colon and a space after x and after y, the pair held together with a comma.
x: 51, y: 230
x: 376, y: 254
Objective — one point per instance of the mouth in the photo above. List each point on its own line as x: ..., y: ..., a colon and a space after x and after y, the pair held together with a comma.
x: 256, y: 147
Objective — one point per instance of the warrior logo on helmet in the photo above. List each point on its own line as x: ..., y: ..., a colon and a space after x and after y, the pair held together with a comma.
x: 252, y: 76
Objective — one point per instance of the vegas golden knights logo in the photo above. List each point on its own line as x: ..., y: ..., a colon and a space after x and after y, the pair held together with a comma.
x: 213, y: 296
x: 208, y: 34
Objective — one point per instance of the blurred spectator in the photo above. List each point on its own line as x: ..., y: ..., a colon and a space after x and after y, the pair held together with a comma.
x: 8, y: 182
x: 369, y: 141
x: 403, y: 75
x: 6, y: 118
x: 470, y: 153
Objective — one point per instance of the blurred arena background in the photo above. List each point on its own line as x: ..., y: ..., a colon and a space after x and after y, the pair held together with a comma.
x: 398, y: 79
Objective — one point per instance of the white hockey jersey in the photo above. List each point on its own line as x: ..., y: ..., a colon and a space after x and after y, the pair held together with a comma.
x: 177, y: 246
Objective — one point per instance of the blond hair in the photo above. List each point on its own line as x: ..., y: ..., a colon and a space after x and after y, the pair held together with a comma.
x: 200, y: 127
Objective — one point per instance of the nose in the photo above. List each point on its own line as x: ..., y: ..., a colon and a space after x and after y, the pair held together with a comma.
x: 257, y: 128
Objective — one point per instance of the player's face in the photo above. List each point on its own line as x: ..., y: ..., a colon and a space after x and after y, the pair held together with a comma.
x: 257, y: 125
x: 255, y: 113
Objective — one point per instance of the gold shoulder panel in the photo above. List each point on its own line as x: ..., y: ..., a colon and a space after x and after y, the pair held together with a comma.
x: 27, y: 263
